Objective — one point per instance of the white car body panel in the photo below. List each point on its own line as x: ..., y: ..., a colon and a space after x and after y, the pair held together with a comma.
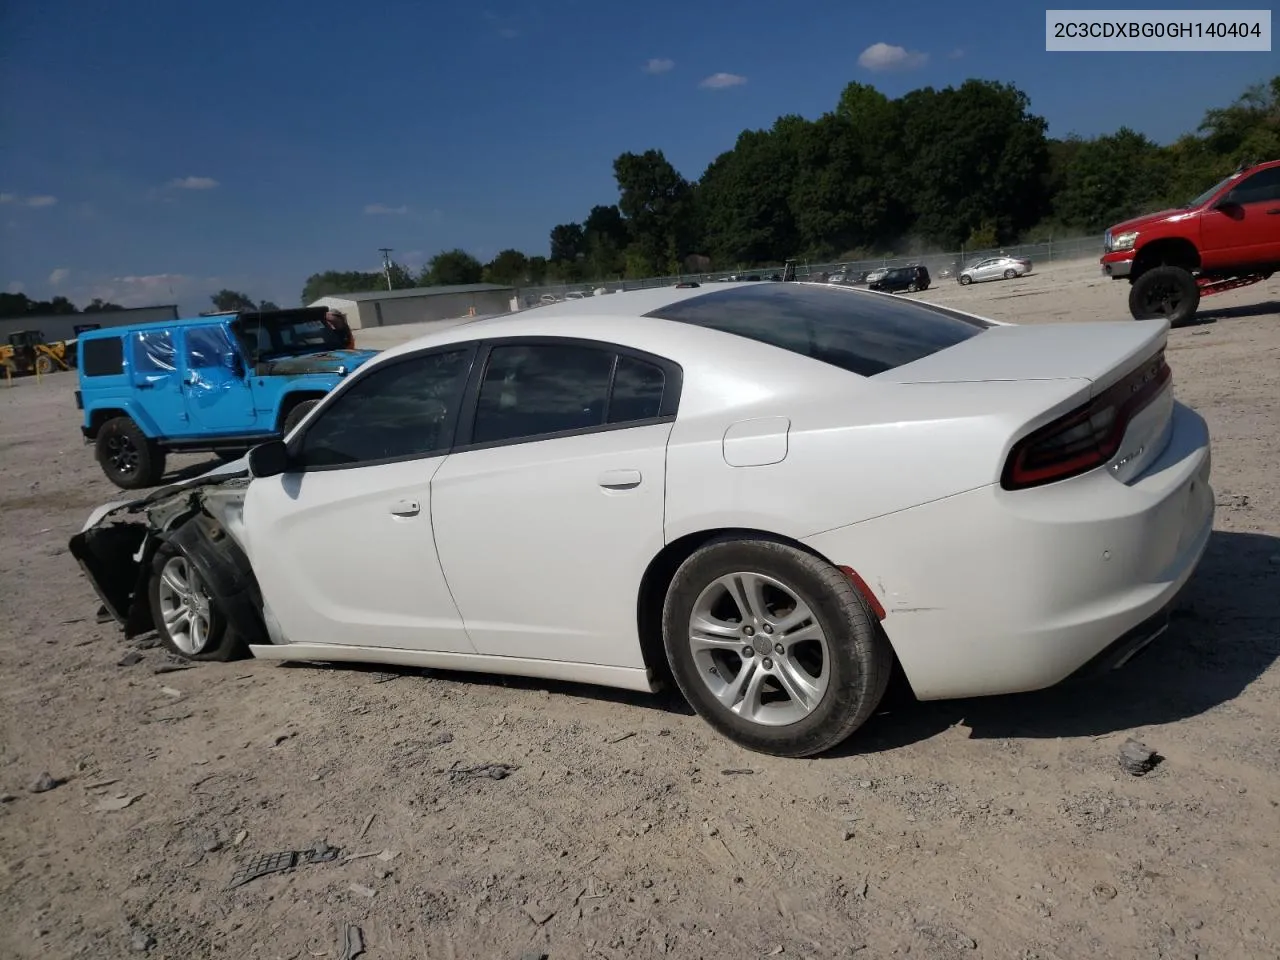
x: 545, y: 542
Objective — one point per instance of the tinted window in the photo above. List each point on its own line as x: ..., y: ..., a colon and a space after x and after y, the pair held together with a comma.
x: 546, y: 388
x: 398, y: 410
x: 153, y: 354
x: 637, y: 391
x: 206, y: 346
x: 1259, y: 188
x: 102, y: 357
x: 855, y: 331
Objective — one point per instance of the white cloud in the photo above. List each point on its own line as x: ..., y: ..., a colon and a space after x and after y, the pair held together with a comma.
x: 956, y: 54
x: 659, y: 65
x: 884, y: 56
x: 15, y: 286
x: 193, y: 183
x: 40, y: 200
x: 722, y: 81
x: 59, y: 276
x: 382, y: 208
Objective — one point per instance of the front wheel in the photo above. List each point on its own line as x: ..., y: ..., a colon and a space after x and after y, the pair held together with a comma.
x: 296, y: 415
x: 185, y: 612
x: 127, y: 457
x: 45, y: 365
x: 773, y: 646
x: 965, y: 280
x: 1169, y: 292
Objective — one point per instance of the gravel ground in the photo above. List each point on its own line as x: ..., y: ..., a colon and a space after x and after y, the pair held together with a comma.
x: 993, y: 828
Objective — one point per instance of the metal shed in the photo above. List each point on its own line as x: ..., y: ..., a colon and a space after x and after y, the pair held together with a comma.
x: 384, y: 308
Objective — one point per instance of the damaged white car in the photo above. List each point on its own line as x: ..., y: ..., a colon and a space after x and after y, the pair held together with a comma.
x: 770, y: 493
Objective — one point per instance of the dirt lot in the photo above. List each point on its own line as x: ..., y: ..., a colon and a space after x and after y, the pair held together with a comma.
x: 997, y: 828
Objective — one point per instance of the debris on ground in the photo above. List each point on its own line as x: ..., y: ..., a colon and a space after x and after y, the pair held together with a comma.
x: 142, y: 942
x: 268, y: 863
x: 533, y: 955
x: 45, y: 782
x: 108, y: 804
x: 352, y: 942
x: 362, y: 890
x: 7, y: 798
x: 171, y: 668
x: 1104, y: 891
x: 171, y: 692
x: 493, y: 771
x: 538, y: 913
x: 1137, y: 758
x: 736, y: 772
x: 365, y: 829
x: 129, y: 659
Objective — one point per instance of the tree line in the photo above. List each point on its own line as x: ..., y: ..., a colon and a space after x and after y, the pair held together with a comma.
x: 20, y: 305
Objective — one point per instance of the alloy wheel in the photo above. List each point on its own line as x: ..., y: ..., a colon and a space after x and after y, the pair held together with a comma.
x: 184, y: 606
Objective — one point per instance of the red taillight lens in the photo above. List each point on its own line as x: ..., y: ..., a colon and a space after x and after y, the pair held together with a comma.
x: 1085, y: 438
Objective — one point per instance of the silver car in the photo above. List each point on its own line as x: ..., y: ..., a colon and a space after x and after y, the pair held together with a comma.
x: 995, y: 268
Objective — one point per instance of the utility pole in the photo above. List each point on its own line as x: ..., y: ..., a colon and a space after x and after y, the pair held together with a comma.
x: 386, y: 263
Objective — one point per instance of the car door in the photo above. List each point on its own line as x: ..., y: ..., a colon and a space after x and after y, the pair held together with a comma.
x: 1244, y: 227
x: 157, y: 383
x: 984, y: 270
x: 551, y: 507
x: 341, y: 542
x: 219, y: 394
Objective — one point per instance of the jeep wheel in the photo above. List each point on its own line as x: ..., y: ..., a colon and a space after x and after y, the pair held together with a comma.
x: 1168, y: 292
x: 296, y: 414
x: 127, y: 457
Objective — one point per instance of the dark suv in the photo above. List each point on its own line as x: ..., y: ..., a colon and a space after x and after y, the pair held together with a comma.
x: 903, y: 279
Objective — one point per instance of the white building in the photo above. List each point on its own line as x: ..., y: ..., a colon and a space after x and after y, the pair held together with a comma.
x: 385, y: 308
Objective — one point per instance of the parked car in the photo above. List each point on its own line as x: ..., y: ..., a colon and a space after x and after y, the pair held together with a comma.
x: 873, y: 276
x: 219, y: 383
x: 902, y: 280
x: 995, y: 268
x: 672, y: 484
x: 1224, y: 239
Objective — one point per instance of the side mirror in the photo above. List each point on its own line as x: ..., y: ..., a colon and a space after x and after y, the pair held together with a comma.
x: 231, y: 361
x: 269, y: 459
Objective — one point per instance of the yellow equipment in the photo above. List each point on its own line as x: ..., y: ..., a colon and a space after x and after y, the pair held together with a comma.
x: 27, y: 352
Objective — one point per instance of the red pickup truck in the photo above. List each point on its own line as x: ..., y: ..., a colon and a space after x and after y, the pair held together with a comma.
x: 1227, y: 237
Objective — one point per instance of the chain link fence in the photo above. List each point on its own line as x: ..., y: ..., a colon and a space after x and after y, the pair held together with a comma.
x: 941, y: 266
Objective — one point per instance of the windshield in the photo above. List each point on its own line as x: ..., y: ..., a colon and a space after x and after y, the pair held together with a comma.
x: 267, y: 339
x: 1204, y: 197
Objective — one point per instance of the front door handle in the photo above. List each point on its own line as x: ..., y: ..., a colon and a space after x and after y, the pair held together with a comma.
x: 406, y: 508
x: 1274, y: 210
x: 620, y: 479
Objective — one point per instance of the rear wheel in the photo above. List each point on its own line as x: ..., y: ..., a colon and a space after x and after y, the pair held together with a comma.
x: 45, y: 364
x: 127, y: 457
x: 1169, y: 292
x: 1010, y: 274
x: 773, y: 646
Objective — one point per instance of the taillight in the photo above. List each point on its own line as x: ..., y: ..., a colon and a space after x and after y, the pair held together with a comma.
x: 1086, y: 437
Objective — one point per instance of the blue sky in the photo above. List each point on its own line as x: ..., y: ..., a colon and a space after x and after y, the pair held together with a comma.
x: 154, y: 151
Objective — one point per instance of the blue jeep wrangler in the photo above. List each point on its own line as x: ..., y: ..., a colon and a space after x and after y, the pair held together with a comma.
x: 219, y: 383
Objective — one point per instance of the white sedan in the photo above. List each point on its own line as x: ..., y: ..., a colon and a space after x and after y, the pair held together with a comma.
x: 769, y: 493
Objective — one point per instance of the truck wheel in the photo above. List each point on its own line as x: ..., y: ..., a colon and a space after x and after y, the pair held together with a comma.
x: 127, y: 457
x: 296, y: 414
x: 1169, y: 292
x: 45, y: 365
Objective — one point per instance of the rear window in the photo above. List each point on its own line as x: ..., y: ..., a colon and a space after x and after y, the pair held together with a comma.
x: 863, y: 333
x: 102, y: 357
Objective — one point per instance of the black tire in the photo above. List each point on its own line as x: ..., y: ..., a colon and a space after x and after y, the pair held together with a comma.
x: 1169, y: 292
x: 1010, y: 274
x: 965, y: 280
x: 45, y: 364
x: 127, y: 457
x: 220, y: 643
x: 295, y: 415
x: 858, y: 665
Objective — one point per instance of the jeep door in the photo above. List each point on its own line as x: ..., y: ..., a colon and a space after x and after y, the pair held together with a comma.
x: 156, y: 383
x: 219, y: 391
x: 1244, y: 226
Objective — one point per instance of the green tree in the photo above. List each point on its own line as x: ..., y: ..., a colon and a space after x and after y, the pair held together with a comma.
x: 1109, y: 179
x: 232, y: 301
x: 332, y: 283
x: 509, y: 268
x: 658, y: 205
x: 567, y: 243
x: 98, y: 305
x: 266, y: 306
x: 452, y: 268
x: 745, y: 196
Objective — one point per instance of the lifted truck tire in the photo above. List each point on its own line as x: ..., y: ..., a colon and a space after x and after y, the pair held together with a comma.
x: 127, y: 457
x: 1165, y: 291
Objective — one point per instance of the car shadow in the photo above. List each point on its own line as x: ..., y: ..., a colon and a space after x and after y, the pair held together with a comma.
x: 1225, y: 633
x: 191, y: 470
x: 1269, y: 309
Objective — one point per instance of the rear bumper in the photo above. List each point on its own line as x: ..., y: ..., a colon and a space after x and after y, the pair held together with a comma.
x: 993, y: 592
x: 1117, y: 265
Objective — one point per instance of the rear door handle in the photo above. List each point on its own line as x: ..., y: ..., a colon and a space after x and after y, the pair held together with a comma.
x: 620, y: 479
x: 406, y: 508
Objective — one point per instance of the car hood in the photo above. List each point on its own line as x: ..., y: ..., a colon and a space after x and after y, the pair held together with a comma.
x: 1151, y: 219
x: 331, y: 361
